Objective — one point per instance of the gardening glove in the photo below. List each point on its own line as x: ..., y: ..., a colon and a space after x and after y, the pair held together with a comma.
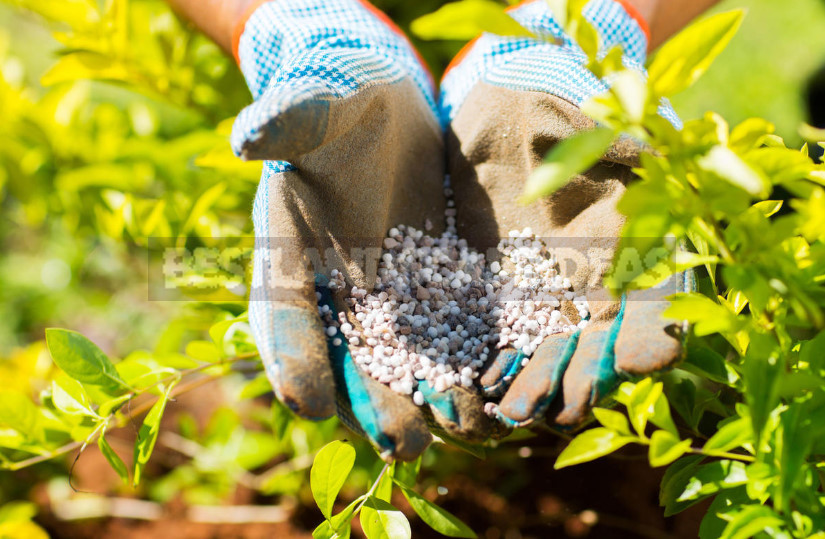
x: 345, y: 117
x: 507, y: 102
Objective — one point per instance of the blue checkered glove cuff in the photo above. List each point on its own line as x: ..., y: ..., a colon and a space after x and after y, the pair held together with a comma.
x: 530, y: 64
x: 279, y: 32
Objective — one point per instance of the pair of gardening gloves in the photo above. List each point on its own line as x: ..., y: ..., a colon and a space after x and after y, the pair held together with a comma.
x: 354, y: 142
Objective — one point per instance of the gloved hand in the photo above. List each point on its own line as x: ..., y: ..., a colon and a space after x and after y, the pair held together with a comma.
x: 507, y: 102
x: 347, y: 110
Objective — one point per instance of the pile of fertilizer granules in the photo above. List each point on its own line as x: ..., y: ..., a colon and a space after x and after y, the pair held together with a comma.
x: 439, y: 309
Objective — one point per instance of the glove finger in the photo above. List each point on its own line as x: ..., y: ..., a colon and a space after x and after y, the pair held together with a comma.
x: 303, y: 107
x: 459, y: 413
x: 537, y: 385
x: 284, y: 123
x: 284, y: 317
x: 591, y: 373
x: 502, y: 369
x: 650, y: 342
x: 389, y: 420
x: 294, y: 354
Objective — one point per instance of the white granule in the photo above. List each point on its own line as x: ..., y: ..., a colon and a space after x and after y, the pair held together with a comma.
x: 439, y: 309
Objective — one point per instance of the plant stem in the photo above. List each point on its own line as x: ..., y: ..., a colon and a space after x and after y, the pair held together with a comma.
x: 144, y: 407
x: 723, y: 454
x: 374, y: 486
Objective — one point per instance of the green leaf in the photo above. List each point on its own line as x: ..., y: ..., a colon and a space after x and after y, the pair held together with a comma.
x: 732, y: 434
x: 569, y: 157
x: 687, y: 481
x: 17, y: 411
x: 148, y: 435
x: 327, y: 530
x: 202, y: 205
x: 85, y: 65
x: 114, y: 405
x: 781, y: 165
x: 661, y: 415
x: 380, y: 520
x: 590, y: 445
x: 437, y: 518
x: 750, y: 134
x: 339, y: 524
x: 613, y: 420
x: 405, y: 474
x: 726, y: 502
x: 762, y: 371
x: 281, y: 419
x: 17, y: 511
x: 76, y: 13
x: 329, y: 471
x: 346, y: 514
x: 218, y: 331
x: 115, y: 461
x: 673, y: 483
x: 797, y: 433
x: 750, y: 521
x: 768, y: 207
x: 684, y: 58
x: 641, y: 403
x: 706, y: 315
x: 679, y: 261
x: 630, y: 88
x: 559, y: 10
x: 323, y: 531
x: 69, y: 397
x: 712, y: 477
x: 203, y: 351
x: 256, y: 387
x: 586, y: 36
x: 725, y: 164
x: 665, y: 448
x: 704, y: 362
x: 812, y: 352
x: 383, y: 490
x: 466, y: 19
x: 811, y: 133
x: 81, y: 359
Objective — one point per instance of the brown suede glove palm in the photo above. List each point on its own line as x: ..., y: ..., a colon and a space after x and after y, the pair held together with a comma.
x: 498, y: 137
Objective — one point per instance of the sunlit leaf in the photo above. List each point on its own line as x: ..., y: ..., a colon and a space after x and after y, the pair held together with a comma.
x: 85, y: 65
x: 81, y: 359
x: 684, y: 58
x: 17, y: 411
x: 750, y: 521
x: 380, y: 520
x: 148, y: 434
x: 69, y: 397
x: 329, y: 471
x: 590, y: 445
x: 665, y: 448
x: 613, y: 420
x: 728, y: 166
x: 569, y: 157
x: 406, y: 473
x: 466, y: 19
x: 437, y: 518
x: 731, y: 435
x: 114, y: 460
x: 203, y: 351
